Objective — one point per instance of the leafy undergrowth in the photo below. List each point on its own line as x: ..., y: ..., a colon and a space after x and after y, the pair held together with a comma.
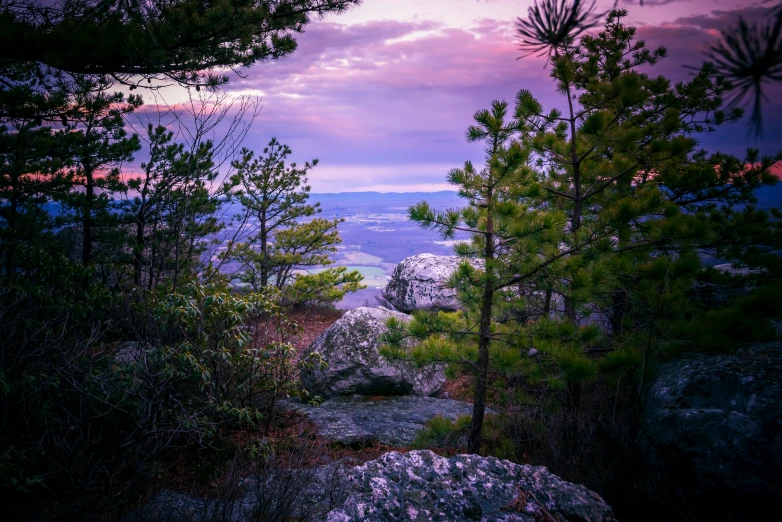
x: 293, y: 443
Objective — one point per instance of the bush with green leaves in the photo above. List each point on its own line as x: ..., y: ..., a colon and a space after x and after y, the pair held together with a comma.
x: 225, y: 358
x: 85, y: 411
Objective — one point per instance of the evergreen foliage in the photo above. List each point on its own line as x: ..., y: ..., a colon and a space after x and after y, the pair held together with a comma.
x: 152, y: 39
x: 288, y: 236
x: 173, y: 212
x: 125, y: 351
x: 97, y: 144
x: 590, y: 221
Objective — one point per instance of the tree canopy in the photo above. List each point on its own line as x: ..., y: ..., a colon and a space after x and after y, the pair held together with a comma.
x: 178, y: 39
x: 591, y: 222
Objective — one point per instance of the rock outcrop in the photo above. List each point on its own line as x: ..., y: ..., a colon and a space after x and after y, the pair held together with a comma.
x: 129, y: 352
x: 390, y: 420
x: 715, y: 422
x: 350, y: 347
x: 723, y: 293
x: 420, y: 283
x: 414, y: 486
x: 420, y: 485
x: 730, y: 269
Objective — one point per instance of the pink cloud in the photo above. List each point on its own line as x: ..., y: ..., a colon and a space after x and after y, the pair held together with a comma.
x: 402, y: 93
x: 392, y: 90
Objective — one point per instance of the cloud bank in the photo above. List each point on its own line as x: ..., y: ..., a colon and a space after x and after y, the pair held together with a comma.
x: 384, y: 103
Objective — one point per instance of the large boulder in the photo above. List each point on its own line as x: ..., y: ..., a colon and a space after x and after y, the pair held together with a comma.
x: 390, y: 420
x: 714, y: 422
x: 414, y: 486
x: 350, y: 347
x: 420, y: 485
x: 421, y: 283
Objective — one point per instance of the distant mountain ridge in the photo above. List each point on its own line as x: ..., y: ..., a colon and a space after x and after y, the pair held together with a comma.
x: 382, y: 201
x: 767, y: 197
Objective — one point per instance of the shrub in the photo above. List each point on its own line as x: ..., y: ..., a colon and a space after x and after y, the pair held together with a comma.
x: 88, y: 419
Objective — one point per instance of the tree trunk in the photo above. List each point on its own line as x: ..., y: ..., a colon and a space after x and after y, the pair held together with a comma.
x: 13, y: 207
x: 138, y: 249
x: 86, y: 247
x: 12, y: 232
x: 481, y: 376
x: 141, y: 225
x: 264, y: 248
x: 547, y: 302
x: 484, y: 339
x: 575, y: 220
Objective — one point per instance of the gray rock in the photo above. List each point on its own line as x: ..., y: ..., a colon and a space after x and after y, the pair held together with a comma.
x: 416, y: 486
x: 392, y: 420
x: 723, y: 293
x: 728, y: 268
x: 715, y: 422
x: 421, y: 283
x: 350, y: 347
x: 420, y: 485
x: 129, y: 352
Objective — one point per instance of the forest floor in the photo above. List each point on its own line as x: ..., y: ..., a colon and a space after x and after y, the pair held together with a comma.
x: 313, y: 321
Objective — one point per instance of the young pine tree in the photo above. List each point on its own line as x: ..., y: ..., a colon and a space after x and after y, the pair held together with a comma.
x: 503, y: 227
x: 586, y: 214
x: 98, y: 144
x: 30, y: 176
x: 173, y: 209
x: 287, y: 236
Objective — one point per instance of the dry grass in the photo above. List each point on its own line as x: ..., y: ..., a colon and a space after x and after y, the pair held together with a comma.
x: 313, y: 321
x: 460, y: 388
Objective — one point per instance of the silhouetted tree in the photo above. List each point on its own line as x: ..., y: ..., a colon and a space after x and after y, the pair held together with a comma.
x: 97, y: 141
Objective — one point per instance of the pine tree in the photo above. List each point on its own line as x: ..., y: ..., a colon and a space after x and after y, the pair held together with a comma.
x: 155, y: 39
x: 98, y: 143
x: 30, y: 174
x: 173, y: 210
x: 501, y: 225
x: 288, y: 236
x: 188, y: 219
x: 602, y: 207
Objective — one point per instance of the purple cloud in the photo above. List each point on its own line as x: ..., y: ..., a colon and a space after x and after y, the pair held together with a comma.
x: 397, y: 96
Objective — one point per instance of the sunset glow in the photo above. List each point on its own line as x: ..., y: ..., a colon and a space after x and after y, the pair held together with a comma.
x: 382, y: 95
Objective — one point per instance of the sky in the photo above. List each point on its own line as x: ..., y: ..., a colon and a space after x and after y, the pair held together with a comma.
x: 383, y: 94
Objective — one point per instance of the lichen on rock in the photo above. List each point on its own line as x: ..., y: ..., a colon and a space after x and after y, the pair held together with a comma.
x: 421, y: 283
x: 420, y: 485
x: 350, y: 348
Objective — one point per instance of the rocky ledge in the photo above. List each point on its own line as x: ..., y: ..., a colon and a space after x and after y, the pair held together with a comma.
x: 421, y: 485
x: 395, y: 421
